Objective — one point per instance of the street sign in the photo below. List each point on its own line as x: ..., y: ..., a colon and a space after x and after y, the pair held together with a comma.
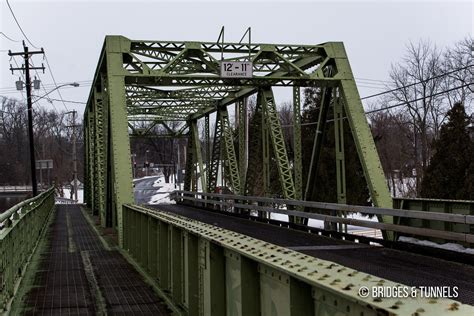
x: 236, y: 69
x: 44, y: 164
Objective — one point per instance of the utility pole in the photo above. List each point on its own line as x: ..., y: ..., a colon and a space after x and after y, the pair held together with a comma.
x: 26, y: 68
x: 74, y: 152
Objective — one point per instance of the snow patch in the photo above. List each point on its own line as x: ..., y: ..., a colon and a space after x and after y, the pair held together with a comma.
x: 447, y: 246
x: 80, y: 194
x: 142, y: 178
x: 162, y: 195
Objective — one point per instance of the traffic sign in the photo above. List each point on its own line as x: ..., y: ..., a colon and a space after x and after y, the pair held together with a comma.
x: 236, y: 69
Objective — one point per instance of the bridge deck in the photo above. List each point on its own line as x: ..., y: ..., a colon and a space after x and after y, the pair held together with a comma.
x: 404, y: 267
x: 77, y: 275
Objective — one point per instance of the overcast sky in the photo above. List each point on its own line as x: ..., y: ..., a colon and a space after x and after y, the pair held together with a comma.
x: 375, y: 34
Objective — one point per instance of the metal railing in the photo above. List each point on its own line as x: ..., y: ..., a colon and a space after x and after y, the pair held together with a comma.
x: 203, y: 269
x: 62, y: 200
x: 20, y: 228
x: 15, y: 188
x: 462, y: 207
x: 236, y: 203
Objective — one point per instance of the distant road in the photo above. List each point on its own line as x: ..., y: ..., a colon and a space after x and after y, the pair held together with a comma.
x: 144, y: 189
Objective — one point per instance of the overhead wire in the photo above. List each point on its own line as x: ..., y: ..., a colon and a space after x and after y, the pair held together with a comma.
x: 419, y: 82
x: 69, y: 101
x: 19, y: 26
x: 8, y: 38
x: 55, y: 84
x: 83, y: 84
x: 22, y: 76
x: 45, y: 57
x: 391, y: 106
x: 417, y: 99
x: 44, y: 89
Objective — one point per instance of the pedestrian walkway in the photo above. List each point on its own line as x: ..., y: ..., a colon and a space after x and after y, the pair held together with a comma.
x: 77, y: 275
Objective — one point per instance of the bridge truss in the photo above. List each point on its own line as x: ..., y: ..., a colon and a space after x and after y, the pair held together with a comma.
x: 139, y: 85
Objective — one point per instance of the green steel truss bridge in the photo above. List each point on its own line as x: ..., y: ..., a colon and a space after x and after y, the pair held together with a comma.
x: 225, y: 253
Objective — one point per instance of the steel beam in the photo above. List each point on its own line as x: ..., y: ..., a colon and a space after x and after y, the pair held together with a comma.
x: 340, y: 157
x: 362, y: 135
x: 278, y: 143
x: 227, y: 273
x: 297, y: 163
x: 119, y: 162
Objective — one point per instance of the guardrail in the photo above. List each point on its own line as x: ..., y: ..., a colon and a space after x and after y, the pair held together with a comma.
x: 62, y: 200
x: 15, y: 188
x: 207, y: 270
x: 238, y: 203
x: 462, y: 207
x: 20, y: 227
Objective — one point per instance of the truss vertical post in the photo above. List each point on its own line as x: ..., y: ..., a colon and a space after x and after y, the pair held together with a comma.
x: 265, y: 151
x: 297, y: 163
x: 207, y: 142
x: 101, y: 126
x: 317, y: 144
x: 254, y: 171
x: 242, y: 140
x: 87, y: 150
x: 189, y: 168
x: 362, y: 136
x: 340, y: 156
x: 121, y: 169
x: 198, y: 154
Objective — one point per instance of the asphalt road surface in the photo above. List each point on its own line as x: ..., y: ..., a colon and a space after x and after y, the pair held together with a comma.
x: 144, y: 190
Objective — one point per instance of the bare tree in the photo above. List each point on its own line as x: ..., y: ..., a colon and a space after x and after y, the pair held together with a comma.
x: 392, y: 137
x: 422, y: 62
x: 459, y: 60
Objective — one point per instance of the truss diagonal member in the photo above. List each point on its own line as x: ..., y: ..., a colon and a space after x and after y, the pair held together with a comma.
x: 278, y: 143
x: 230, y: 157
x: 213, y: 169
x: 175, y: 61
x: 150, y: 52
x: 209, y: 61
x: 291, y: 64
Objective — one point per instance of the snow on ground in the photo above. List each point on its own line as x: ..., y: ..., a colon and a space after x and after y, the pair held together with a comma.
x: 316, y: 223
x: 146, y: 177
x: 162, y: 195
x: 447, y: 246
x: 80, y: 194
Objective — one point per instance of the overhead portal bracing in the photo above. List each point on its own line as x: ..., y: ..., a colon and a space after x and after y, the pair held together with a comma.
x: 142, y: 85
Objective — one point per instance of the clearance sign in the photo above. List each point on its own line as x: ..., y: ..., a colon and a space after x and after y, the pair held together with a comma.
x: 236, y: 69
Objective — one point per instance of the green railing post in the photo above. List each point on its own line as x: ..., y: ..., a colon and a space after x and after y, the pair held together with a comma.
x: 20, y: 228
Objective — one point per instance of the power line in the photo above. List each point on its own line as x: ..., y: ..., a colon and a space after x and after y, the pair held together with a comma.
x: 22, y: 76
x: 413, y: 84
x: 44, y: 89
x: 374, y: 80
x: 391, y: 106
x: 83, y: 84
x: 8, y: 37
x: 415, y: 100
x: 17, y: 23
x: 55, y: 84
x: 69, y: 101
